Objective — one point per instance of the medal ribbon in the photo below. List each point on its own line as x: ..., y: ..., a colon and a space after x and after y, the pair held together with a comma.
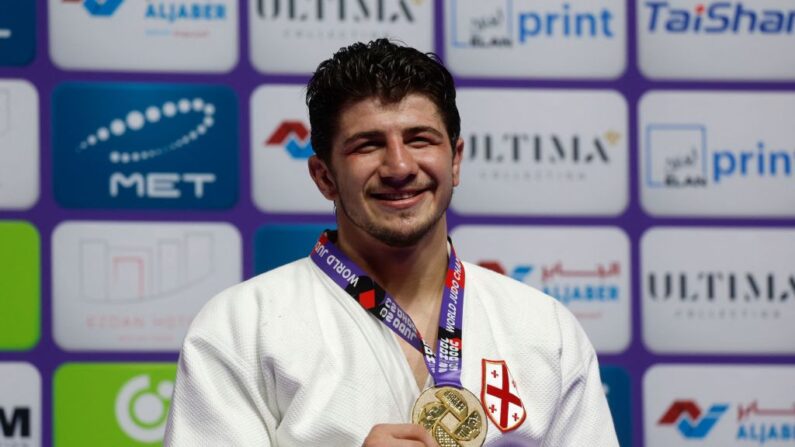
x: 444, y: 365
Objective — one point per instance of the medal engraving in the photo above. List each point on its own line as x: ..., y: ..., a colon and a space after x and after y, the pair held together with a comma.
x: 453, y: 417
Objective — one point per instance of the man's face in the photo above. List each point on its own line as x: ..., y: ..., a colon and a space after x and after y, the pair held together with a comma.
x: 392, y: 169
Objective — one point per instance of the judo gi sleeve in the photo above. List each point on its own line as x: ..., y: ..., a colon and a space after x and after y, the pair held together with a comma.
x: 582, y: 417
x: 218, y: 400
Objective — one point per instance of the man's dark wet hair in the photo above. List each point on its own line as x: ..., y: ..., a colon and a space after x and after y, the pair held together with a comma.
x: 379, y: 69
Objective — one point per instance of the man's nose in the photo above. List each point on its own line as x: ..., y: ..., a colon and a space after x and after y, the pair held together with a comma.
x: 398, y: 165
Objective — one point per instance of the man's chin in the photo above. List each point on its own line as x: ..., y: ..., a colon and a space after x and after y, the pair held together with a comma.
x: 400, y: 237
x: 402, y: 230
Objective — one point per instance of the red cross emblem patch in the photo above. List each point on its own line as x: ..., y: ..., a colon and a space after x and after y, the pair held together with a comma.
x: 499, y: 396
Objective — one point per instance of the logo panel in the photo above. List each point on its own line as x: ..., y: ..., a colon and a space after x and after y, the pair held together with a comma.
x: 112, y: 404
x: 19, y: 144
x: 693, y: 39
x: 718, y: 406
x: 280, y: 147
x: 587, y: 269
x: 532, y: 152
x: 530, y: 38
x: 137, y: 286
x: 615, y: 381
x: 20, y: 307
x: 718, y: 290
x: 17, y: 33
x: 162, y: 35
x: 716, y: 153
x: 313, y: 30
x: 276, y: 245
x: 145, y: 146
x: 20, y: 405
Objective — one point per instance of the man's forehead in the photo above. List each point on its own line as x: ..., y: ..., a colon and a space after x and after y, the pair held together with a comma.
x: 408, y: 109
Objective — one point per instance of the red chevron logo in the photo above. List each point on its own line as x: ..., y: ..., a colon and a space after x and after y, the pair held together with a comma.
x: 677, y: 409
x: 287, y: 128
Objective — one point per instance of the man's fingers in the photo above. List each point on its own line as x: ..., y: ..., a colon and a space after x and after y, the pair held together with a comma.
x: 425, y: 437
x: 411, y: 431
x: 399, y: 435
x: 428, y: 439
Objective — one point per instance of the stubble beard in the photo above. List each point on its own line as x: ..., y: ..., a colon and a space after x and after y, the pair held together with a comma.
x: 394, y: 238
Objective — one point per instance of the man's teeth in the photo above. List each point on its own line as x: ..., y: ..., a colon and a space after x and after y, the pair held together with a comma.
x: 398, y: 195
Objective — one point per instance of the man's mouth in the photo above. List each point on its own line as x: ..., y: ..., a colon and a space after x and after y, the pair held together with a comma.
x: 397, y: 195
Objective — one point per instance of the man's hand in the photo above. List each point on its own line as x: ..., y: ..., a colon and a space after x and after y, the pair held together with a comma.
x: 398, y: 435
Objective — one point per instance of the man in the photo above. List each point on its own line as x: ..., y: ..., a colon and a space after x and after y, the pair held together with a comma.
x: 336, y: 349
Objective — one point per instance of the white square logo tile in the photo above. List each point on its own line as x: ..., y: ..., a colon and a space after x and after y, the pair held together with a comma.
x: 536, y: 38
x: 19, y: 144
x: 717, y: 153
x: 693, y: 39
x: 718, y: 405
x: 136, y: 35
x: 585, y: 268
x: 543, y: 152
x: 718, y: 290
x: 294, y: 36
x: 280, y: 148
x: 137, y: 286
x: 20, y: 405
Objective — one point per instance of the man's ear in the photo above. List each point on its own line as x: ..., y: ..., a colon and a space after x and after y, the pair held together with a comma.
x: 323, y: 177
x: 458, y: 155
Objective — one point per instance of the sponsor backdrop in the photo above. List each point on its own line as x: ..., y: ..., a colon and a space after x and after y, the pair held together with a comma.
x: 635, y: 159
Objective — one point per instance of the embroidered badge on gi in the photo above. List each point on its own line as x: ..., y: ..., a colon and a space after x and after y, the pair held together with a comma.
x: 499, y: 396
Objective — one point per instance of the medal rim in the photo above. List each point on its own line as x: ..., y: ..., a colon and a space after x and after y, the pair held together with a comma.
x: 472, y: 399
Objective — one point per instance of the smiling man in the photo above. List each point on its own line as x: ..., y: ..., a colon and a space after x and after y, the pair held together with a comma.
x: 383, y: 336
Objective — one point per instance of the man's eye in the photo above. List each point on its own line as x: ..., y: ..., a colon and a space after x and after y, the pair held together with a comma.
x: 419, y: 141
x: 367, y: 146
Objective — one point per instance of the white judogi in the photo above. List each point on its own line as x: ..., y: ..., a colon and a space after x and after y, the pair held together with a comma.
x: 289, y: 359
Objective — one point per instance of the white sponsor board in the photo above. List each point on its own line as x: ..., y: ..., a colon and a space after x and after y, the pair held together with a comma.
x: 739, y: 40
x: 718, y: 290
x: 136, y: 35
x: 541, y: 152
x: 536, y: 38
x: 719, y: 405
x: 137, y: 286
x: 280, y: 148
x: 20, y: 405
x: 717, y: 153
x: 19, y: 144
x: 294, y: 36
x: 587, y: 269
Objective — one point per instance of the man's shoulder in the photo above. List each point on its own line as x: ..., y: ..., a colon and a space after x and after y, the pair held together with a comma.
x: 519, y: 307
x: 266, y: 285
x: 251, y: 302
x: 285, y: 276
x: 506, y: 291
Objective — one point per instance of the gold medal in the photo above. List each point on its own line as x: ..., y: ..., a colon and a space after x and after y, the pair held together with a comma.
x: 453, y: 416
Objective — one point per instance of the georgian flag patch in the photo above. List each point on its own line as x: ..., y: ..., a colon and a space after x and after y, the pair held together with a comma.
x: 500, y: 397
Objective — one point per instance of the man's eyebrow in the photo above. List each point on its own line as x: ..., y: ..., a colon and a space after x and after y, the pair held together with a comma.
x: 366, y: 135
x: 421, y: 129
x: 377, y: 134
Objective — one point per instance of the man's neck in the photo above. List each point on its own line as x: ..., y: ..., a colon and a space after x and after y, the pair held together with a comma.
x: 410, y: 274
